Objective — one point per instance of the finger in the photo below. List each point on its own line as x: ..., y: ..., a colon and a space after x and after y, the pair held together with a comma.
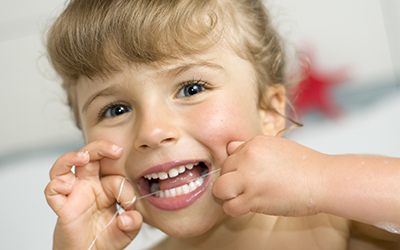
x: 64, y: 164
x: 237, y: 206
x: 101, y: 149
x: 228, y: 186
x: 130, y: 222
x: 56, y: 193
x: 232, y: 146
x: 120, y: 189
x: 230, y: 164
x: 97, y: 150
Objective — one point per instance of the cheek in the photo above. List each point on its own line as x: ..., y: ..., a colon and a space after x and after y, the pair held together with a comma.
x: 217, y: 123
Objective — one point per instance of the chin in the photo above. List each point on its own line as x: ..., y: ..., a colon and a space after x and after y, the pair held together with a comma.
x: 192, y: 221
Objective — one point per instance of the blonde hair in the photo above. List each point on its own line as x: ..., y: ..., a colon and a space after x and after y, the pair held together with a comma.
x: 96, y: 37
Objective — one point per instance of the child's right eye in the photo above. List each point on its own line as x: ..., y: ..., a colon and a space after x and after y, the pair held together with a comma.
x: 114, y: 110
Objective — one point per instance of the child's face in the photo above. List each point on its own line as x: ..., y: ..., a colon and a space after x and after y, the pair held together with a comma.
x: 162, y: 123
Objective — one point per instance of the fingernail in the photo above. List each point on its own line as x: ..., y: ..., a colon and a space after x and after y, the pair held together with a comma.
x: 126, y: 220
x: 82, y: 154
x: 232, y: 146
x: 116, y: 148
x: 68, y: 185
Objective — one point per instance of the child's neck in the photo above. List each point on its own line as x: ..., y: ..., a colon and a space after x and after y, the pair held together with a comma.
x: 231, y: 233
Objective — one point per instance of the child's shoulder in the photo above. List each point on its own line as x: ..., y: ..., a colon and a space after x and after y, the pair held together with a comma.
x: 332, y: 232
x: 321, y: 231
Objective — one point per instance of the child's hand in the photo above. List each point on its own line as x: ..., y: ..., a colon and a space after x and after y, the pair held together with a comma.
x: 269, y: 175
x: 85, y: 202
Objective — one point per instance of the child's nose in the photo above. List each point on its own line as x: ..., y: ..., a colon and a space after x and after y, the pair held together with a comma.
x: 156, y: 129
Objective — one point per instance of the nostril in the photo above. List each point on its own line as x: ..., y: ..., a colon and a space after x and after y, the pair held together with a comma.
x: 167, y: 140
x: 156, y: 145
x: 155, y: 136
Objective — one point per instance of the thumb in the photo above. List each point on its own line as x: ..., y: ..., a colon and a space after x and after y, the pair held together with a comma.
x: 130, y: 222
x: 232, y: 146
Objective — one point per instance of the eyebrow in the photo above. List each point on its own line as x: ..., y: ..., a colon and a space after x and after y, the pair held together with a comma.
x: 179, y: 70
x: 105, y: 92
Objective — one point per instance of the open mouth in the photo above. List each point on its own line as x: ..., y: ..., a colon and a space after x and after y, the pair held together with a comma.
x: 177, y: 181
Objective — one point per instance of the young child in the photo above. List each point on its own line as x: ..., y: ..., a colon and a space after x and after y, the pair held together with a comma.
x: 166, y: 92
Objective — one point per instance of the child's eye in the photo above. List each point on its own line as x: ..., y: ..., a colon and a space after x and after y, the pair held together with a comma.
x: 191, y: 88
x: 113, y: 110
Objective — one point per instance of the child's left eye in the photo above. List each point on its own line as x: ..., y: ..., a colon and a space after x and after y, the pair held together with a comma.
x: 191, y: 88
x: 113, y: 110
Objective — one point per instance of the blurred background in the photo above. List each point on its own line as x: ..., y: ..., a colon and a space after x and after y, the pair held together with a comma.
x: 354, y: 105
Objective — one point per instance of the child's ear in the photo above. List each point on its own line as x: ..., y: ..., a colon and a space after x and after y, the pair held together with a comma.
x: 273, y: 110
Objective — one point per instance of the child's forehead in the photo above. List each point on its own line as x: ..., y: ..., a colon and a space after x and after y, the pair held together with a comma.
x: 217, y: 59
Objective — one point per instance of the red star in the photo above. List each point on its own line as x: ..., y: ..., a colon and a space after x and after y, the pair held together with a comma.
x: 314, y: 91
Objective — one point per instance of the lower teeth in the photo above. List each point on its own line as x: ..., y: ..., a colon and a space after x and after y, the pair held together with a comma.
x: 185, y: 189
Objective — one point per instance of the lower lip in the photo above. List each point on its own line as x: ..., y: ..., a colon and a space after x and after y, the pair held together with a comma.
x: 179, y: 202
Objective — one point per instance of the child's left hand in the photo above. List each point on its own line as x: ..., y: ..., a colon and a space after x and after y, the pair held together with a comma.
x: 269, y: 175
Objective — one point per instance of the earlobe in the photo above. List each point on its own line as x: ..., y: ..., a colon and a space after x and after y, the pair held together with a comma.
x: 273, y: 111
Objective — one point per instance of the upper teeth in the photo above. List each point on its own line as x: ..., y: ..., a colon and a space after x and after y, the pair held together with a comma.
x: 173, y: 172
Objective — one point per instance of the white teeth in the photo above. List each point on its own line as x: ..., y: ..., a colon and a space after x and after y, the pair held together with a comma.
x: 163, y: 176
x: 184, y: 189
x: 192, y: 186
x: 172, y: 192
x: 173, y: 172
x: 179, y: 191
x: 199, y: 182
x: 181, y: 169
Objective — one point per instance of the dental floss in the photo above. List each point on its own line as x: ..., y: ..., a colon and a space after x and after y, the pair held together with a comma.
x: 119, y: 207
x: 97, y: 236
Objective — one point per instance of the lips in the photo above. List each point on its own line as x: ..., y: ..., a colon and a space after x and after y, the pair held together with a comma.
x: 176, y: 185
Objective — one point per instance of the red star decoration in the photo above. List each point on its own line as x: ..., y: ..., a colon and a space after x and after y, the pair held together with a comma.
x: 314, y: 91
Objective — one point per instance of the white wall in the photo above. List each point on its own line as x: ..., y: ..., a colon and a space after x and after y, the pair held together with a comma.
x: 33, y: 114
x: 350, y: 33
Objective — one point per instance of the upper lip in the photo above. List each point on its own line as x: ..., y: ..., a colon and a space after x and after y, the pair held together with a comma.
x: 165, y: 167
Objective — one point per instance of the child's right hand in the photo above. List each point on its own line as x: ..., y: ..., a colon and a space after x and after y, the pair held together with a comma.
x: 85, y: 201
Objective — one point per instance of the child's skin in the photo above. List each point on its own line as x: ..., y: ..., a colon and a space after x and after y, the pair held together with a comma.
x: 263, y: 177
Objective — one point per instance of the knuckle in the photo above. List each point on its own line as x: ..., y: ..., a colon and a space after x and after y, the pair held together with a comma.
x: 47, y: 189
x: 51, y: 186
x: 104, y: 144
x: 64, y: 158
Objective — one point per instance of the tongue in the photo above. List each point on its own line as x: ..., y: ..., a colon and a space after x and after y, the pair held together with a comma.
x: 181, y: 179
